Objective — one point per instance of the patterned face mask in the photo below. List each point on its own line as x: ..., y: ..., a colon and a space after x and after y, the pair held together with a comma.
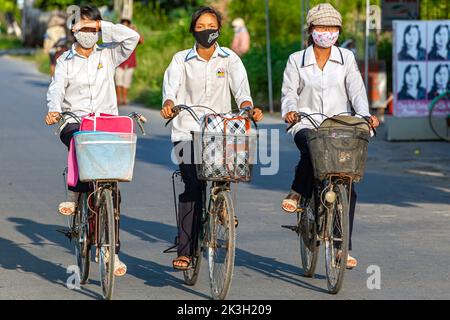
x: 325, y: 39
x: 86, y: 39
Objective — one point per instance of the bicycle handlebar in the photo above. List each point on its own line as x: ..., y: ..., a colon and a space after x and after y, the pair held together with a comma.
x: 179, y: 108
x: 66, y: 115
x: 316, y: 124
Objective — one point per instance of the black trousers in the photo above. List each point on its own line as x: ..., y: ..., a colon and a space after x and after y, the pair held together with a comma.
x: 304, y: 177
x: 66, y: 136
x: 190, y: 202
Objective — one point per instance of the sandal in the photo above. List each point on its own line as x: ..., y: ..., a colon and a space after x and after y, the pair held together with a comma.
x: 120, y: 268
x: 351, y: 262
x: 183, y: 259
x: 67, y: 208
x: 290, y: 203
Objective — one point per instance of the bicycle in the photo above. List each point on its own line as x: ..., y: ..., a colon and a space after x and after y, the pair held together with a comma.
x: 217, y: 235
x: 433, y: 115
x: 338, y: 149
x: 96, y: 221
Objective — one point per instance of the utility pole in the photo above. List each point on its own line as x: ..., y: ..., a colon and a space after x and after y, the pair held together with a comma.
x: 269, y: 58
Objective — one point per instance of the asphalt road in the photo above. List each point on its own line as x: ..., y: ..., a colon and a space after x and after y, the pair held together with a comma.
x: 402, y: 223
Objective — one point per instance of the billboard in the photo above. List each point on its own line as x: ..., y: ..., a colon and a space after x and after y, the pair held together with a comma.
x: 421, y: 62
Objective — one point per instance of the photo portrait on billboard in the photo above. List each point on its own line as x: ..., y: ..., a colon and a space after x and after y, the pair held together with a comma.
x: 411, y: 46
x: 438, y: 41
x: 438, y: 79
x: 411, y: 81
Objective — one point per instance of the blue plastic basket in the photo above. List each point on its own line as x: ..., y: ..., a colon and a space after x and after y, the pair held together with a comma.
x: 105, y: 156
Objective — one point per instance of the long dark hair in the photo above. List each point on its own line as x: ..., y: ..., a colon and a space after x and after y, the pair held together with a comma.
x: 438, y: 68
x: 408, y: 68
x: 311, y: 40
x: 436, y: 31
x: 204, y: 10
x: 407, y: 30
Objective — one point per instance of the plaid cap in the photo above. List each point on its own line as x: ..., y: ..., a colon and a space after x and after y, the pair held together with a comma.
x: 323, y: 14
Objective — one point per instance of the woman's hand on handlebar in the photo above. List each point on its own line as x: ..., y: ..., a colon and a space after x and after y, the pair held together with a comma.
x: 167, y: 110
x: 292, y: 117
x: 52, y: 117
x: 257, y: 114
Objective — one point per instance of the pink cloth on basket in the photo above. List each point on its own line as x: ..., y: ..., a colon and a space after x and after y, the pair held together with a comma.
x: 72, y: 174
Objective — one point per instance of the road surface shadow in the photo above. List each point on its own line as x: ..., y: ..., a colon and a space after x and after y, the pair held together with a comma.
x: 376, y: 187
x: 40, y: 235
x: 153, y: 231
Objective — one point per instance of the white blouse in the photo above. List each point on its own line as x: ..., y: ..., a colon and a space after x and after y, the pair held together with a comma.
x: 332, y: 91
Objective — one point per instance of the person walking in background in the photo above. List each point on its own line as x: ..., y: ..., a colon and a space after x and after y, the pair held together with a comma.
x: 241, y: 40
x: 124, y: 73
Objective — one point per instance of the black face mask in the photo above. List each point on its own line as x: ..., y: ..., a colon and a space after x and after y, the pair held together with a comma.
x: 207, y: 38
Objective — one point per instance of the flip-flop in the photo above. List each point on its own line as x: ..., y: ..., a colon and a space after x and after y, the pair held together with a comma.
x: 351, y: 262
x: 67, y: 208
x: 292, y: 200
x: 120, y: 268
x: 182, y: 259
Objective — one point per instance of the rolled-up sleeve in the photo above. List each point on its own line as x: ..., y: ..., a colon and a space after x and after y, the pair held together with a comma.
x: 356, y: 90
x: 290, y: 87
x: 239, y: 81
x: 172, y: 80
x: 56, y: 90
x: 121, y: 40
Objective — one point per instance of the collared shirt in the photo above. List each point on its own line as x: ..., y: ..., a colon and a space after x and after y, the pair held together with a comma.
x: 332, y: 91
x: 193, y: 81
x: 86, y: 85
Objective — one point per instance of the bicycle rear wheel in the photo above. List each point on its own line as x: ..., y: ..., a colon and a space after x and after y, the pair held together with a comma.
x: 191, y: 275
x: 437, y: 116
x: 221, y: 245
x: 106, y: 243
x: 309, y: 250
x: 80, y: 227
x: 336, y: 240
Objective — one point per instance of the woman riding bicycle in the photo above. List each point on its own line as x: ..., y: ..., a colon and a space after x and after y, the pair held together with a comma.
x: 325, y: 79
x: 200, y: 76
x: 84, y: 83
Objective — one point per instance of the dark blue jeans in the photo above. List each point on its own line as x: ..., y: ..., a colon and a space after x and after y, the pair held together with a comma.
x: 304, y: 176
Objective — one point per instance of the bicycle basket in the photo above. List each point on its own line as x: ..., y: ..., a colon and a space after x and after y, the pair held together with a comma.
x: 224, y: 157
x: 105, y: 155
x: 339, y: 149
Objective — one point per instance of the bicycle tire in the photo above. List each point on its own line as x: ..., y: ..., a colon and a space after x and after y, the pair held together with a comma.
x: 107, y: 243
x: 309, y: 250
x: 336, y: 241
x: 220, y: 286
x: 81, y: 230
x: 445, y: 95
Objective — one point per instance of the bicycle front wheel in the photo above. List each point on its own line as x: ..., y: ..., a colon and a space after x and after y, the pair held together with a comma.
x: 336, y: 240
x: 80, y: 227
x: 221, y: 245
x: 106, y: 243
x: 309, y: 250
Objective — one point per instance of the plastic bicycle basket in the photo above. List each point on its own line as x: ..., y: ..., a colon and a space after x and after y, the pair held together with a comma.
x: 105, y: 155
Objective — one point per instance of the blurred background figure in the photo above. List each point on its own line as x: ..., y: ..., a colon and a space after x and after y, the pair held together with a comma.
x: 55, y: 39
x: 124, y: 73
x: 350, y: 45
x: 12, y: 28
x: 241, y: 40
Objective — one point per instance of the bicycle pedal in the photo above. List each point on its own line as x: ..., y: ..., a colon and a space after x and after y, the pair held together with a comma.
x: 292, y: 228
x: 66, y: 232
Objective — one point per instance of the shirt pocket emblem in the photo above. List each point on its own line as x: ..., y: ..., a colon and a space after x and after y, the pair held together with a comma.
x: 221, y: 73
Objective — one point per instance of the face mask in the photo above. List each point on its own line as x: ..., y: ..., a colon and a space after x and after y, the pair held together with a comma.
x: 86, y: 39
x: 325, y: 39
x: 207, y: 38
